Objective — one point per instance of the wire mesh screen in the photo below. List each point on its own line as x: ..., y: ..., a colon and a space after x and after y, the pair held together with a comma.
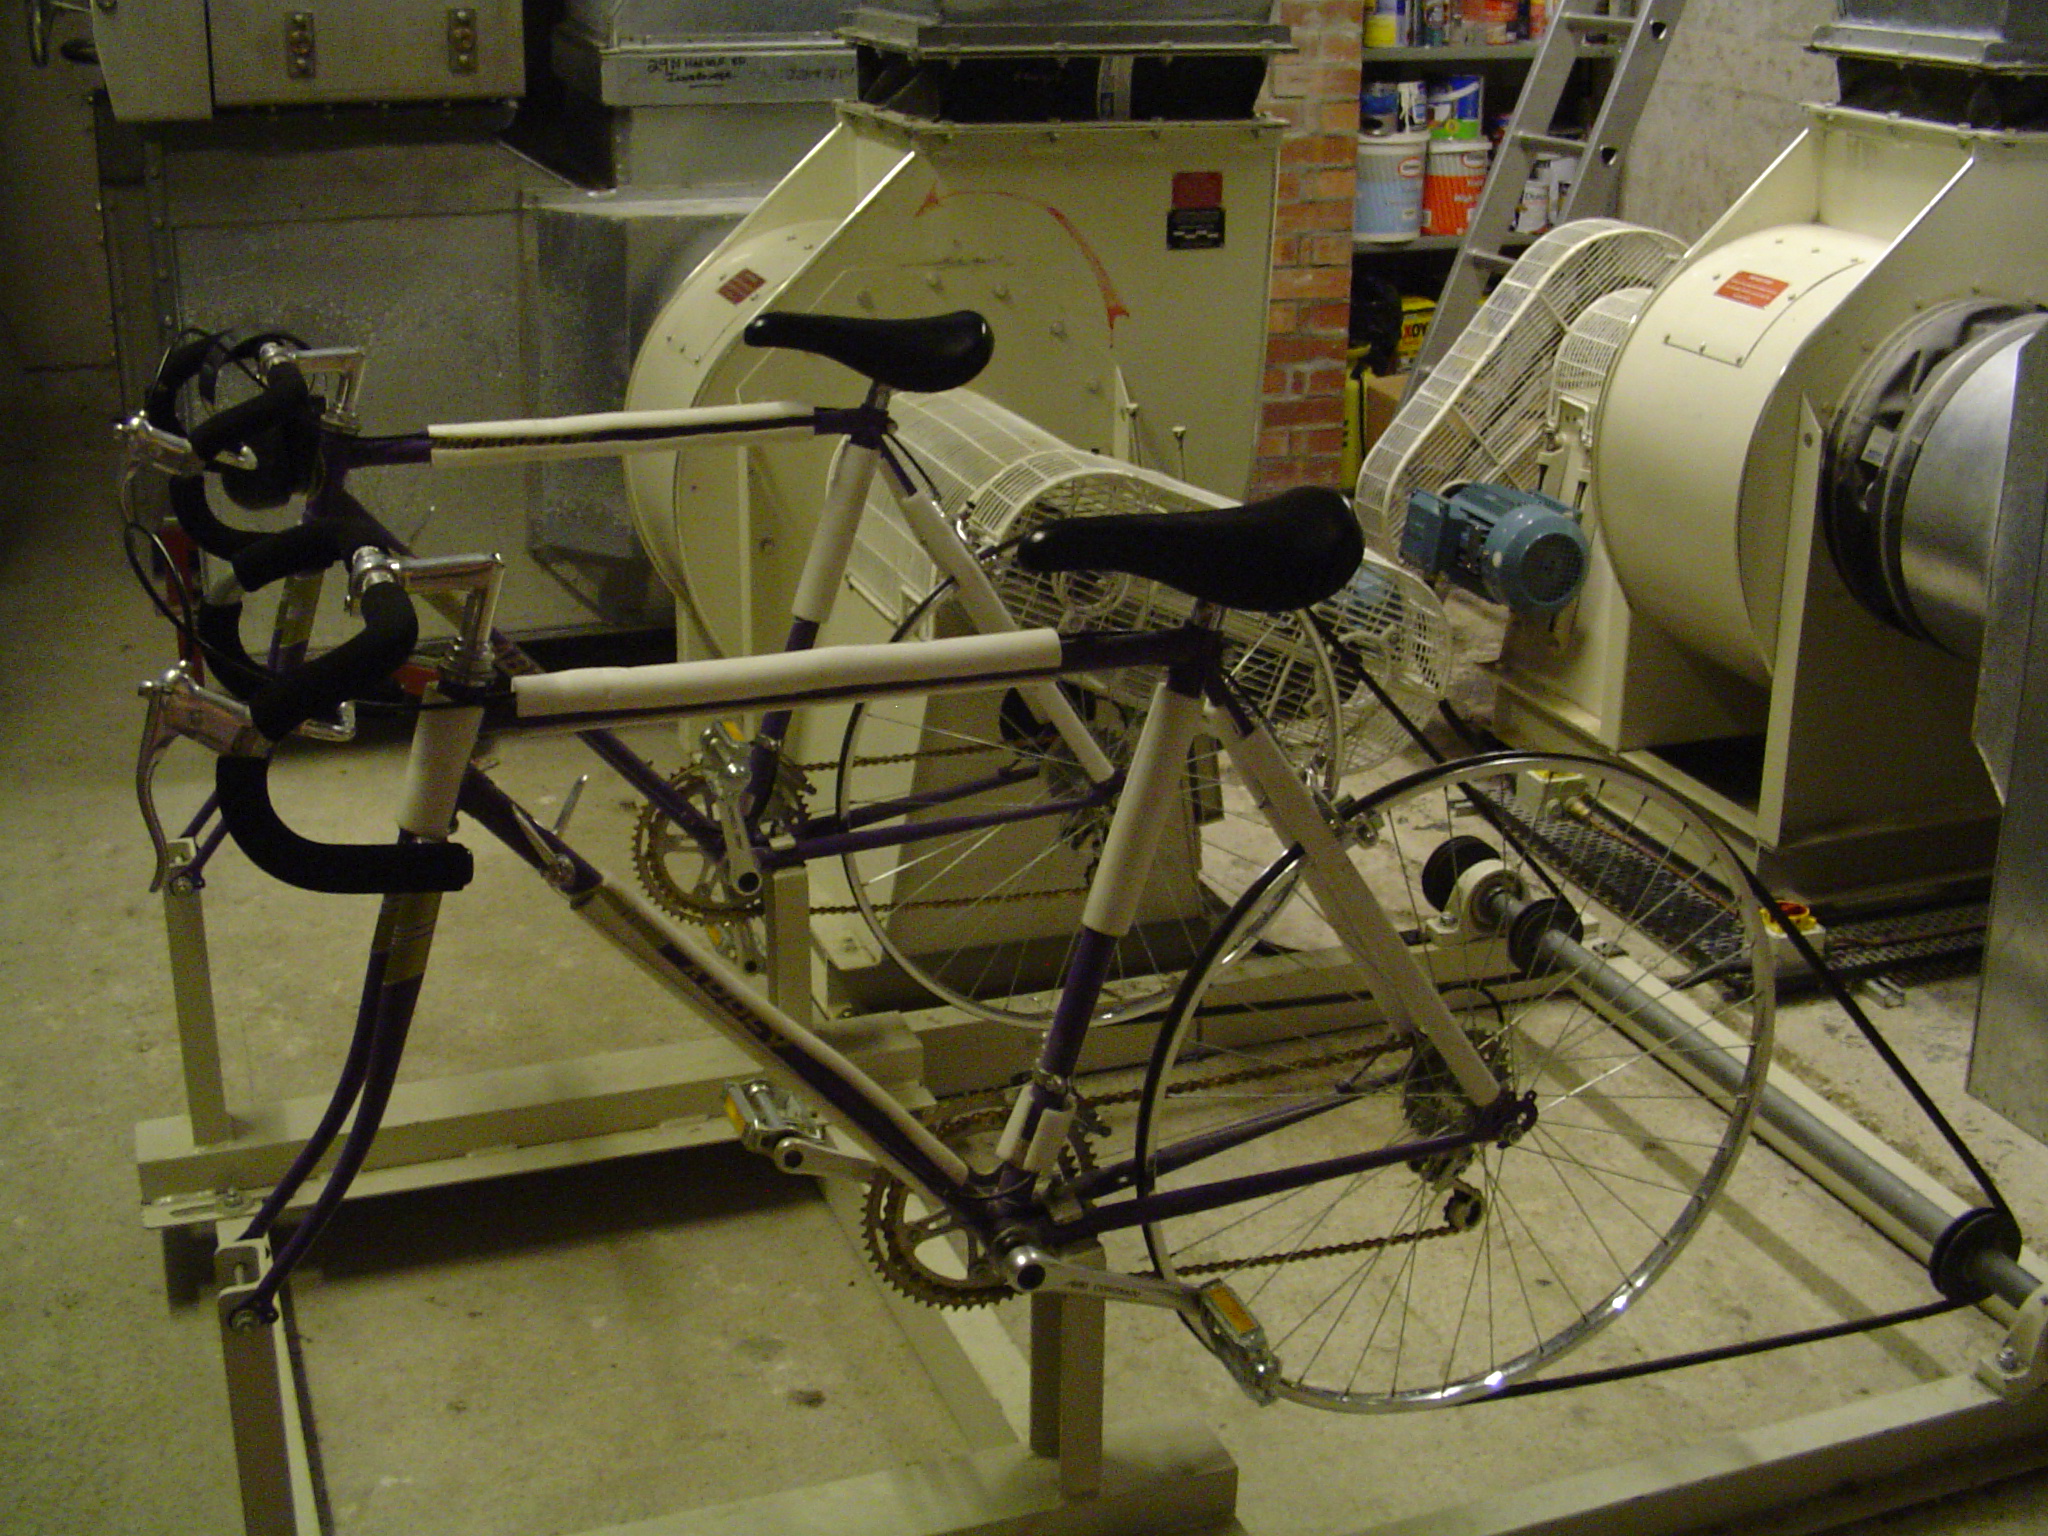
x: 1386, y: 628
x: 1586, y: 355
x: 1480, y: 414
x: 999, y: 477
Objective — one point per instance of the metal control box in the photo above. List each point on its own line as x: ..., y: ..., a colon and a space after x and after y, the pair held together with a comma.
x: 957, y: 27
x: 169, y: 60
x: 615, y: 22
x: 271, y: 55
x: 646, y: 53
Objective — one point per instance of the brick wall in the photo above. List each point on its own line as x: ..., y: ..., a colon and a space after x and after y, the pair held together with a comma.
x: 1315, y: 91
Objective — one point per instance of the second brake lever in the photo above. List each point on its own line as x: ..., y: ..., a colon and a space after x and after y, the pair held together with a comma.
x: 178, y: 706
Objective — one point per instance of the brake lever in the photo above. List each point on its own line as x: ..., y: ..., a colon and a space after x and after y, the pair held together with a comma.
x: 152, y: 446
x: 178, y: 706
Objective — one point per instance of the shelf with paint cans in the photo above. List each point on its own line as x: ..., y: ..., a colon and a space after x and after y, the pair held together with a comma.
x: 1431, y: 114
x: 1426, y: 144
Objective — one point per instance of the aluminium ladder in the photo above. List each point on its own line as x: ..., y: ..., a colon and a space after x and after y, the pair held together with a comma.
x: 1577, y: 27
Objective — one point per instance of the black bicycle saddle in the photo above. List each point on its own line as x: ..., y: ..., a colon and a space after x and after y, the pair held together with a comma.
x: 923, y: 356
x: 1273, y: 555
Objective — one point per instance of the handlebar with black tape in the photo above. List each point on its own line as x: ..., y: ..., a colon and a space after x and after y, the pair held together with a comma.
x: 196, y: 516
x: 390, y: 629
x: 284, y: 394
x: 302, y: 548
x: 179, y: 364
x: 334, y: 869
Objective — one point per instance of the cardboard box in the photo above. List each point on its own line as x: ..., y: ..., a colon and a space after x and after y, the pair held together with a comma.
x: 1382, y: 400
x: 1370, y: 402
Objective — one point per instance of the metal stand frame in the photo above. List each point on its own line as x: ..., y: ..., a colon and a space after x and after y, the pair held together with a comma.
x: 1068, y: 1476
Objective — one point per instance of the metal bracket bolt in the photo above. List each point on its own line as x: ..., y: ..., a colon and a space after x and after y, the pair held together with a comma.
x: 298, y: 45
x: 2019, y: 1367
x: 462, y: 41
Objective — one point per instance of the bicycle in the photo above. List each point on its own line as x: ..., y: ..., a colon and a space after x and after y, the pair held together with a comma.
x: 1013, y: 790
x: 1450, y: 1128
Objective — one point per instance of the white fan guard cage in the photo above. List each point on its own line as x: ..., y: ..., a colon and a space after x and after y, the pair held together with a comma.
x: 999, y: 476
x: 1480, y: 414
x: 1586, y: 356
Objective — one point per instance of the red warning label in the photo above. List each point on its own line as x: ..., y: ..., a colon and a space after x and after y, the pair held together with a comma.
x: 1198, y: 189
x: 742, y: 283
x: 1752, y: 288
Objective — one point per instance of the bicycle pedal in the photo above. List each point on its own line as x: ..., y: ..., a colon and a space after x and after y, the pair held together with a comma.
x: 1235, y: 1338
x: 764, y: 1114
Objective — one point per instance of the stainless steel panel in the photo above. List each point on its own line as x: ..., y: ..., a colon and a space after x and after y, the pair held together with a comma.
x: 737, y: 70
x: 153, y: 57
x: 436, y: 301
x: 1948, y: 515
x: 716, y: 147
x: 239, y: 183
x: 1060, y: 31
x: 2015, y: 559
x: 295, y: 52
x: 604, y: 266
x: 615, y: 22
x: 2009, y: 1049
x: 1987, y: 33
x: 1057, y: 13
x: 2014, y: 19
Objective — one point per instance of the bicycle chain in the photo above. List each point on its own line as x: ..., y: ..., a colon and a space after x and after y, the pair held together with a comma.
x: 1302, y: 1256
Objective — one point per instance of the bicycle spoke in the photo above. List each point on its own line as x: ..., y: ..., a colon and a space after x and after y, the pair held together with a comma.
x: 1369, y: 1299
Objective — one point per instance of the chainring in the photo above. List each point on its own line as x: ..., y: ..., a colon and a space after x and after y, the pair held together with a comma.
x: 685, y: 883
x: 893, y: 1236
x: 675, y: 872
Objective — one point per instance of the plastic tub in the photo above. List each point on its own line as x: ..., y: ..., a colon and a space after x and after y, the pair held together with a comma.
x: 1390, y: 176
x: 1455, y: 174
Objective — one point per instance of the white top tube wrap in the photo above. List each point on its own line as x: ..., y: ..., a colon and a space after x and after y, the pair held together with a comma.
x: 612, y: 434
x: 790, y: 677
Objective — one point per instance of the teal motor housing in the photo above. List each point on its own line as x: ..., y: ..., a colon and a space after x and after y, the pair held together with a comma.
x: 1521, y: 549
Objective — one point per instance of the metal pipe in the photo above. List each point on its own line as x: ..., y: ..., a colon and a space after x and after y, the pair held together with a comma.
x: 1904, y: 1213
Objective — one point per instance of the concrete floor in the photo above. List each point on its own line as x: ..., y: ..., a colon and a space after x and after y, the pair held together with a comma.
x: 573, y: 1350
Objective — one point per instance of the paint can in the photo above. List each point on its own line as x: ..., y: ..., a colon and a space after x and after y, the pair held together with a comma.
x: 1563, y: 174
x: 1454, y: 106
x: 1452, y: 180
x: 1392, y: 106
x: 1390, y: 176
x: 1488, y: 21
x: 1385, y: 24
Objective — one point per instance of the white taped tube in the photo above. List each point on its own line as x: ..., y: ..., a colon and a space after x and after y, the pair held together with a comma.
x: 610, y: 434
x: 793, y: 677
x: 441, y: 745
